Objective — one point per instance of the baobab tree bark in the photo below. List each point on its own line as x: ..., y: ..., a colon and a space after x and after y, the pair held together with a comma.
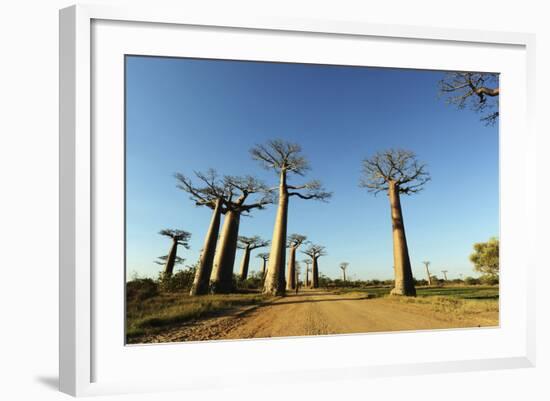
x: 221, y: 280
x: 204, y: 270
x: 294, y: 242
x: 170, y: 261
x: 244, y: 263
x: 291, y: 273
x: 275, y: 278
x: 404, y: 282
x: 314, y: 273
x: 427, y: 264
x: 264, y: 257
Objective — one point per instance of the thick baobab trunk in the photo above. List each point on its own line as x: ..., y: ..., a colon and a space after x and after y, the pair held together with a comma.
x: 306, y: 284
x: 404, y: 283
x: 171, y: 260
x: 204, y: 270
x: 344, y: 275
x: 291, y: 273
x: 314, y: 274
x: 244, y: 264
x: 275, y: 278
x: 264, y: 262
x: 221, y: 280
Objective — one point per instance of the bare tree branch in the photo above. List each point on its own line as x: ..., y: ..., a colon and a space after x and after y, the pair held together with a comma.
x: 281, y: 155
x: 394, y: 166
x: 478, y: 90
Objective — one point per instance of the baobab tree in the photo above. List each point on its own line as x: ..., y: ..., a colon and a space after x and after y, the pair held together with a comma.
x: 213, y: 193
x: 396, y: 172
x: 285, y: 158
x: 179, y: 237
x: 344, y: 266
x: 293, y: 243
x: 248, y: 244
x: 444, y: 274
x: 308, y: 269
x: 427, y: 264
x: 315, y: 252
x: 297, y: 270
x: 265, y: 257
x: 240, y: 189
x: 478, y: 90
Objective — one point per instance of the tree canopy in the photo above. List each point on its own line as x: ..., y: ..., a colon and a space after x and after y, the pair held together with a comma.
x: 285, y: 157
x: 295, y: 240
x: 315, y: 251
x: 251, y: 242
x: 486, y: 257
x: 182, y: 237
x: 396, y: 166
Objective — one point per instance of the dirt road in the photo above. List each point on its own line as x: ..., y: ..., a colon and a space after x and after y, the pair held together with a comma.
x: 320, y: 312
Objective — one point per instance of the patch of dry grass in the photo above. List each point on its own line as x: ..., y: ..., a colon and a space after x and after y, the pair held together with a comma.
x: 170, y: 309
x: 454, y: 308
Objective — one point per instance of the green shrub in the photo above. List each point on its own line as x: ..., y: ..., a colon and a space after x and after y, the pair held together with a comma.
x: 489, y: 279
x: 141, y: 289
x: 471, y: 281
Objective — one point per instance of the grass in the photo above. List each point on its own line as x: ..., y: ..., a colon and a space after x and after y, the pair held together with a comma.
x: 455, y: 302
x: 167, y: 310
x: 477, y: 292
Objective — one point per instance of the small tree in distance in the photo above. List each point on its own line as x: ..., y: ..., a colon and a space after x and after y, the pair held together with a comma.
x: 265, y: 257
x: 293, y: 243
x: 248, y: 244
x: 179, y: 237
x: 396, y: 172
x: 315, y: 252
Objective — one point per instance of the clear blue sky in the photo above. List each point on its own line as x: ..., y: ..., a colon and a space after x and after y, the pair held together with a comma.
x: 186, y: 114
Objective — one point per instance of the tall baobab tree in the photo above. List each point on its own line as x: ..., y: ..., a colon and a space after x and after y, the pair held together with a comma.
x: 179, y: 237
x: 248, y: 244
x: 396, y: 172
x: 293, y: 243
x: 265, y: 257
x: 212, y: 192
x: 285, y: 158
x: 315, y: 252
x: 344, y: 266
x: 478, y: 90
x: 427, y: 264
x: 240, y: 189
x: 444, y: 274
x: 308, y: 269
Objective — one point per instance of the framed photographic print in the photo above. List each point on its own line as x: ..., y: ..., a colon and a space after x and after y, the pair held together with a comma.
x: 235, y: 191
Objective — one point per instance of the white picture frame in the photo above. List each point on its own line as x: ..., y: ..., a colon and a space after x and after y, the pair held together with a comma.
x: 80, y: 211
